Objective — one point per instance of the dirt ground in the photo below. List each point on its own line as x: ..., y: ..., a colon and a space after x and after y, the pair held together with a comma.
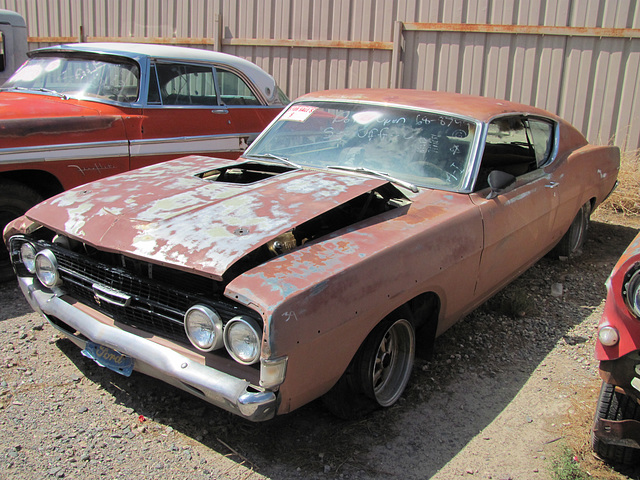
x: 508, y: 388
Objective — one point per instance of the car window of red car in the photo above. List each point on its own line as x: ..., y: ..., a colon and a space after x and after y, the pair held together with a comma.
x: 234, y: 90
x: 182, y: 84
x: 79, y: 76
x: 515, y: 145
x: 542, y: 139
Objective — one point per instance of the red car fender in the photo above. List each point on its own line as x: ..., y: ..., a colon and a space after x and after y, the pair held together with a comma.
x: 616, y: 313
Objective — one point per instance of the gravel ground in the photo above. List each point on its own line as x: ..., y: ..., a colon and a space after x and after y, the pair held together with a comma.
x: 505, y: 389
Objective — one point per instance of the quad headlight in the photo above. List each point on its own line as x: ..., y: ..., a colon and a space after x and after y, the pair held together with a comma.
x: 204, y: 328
x: 242, y: 339
x: 28, y: 257
x: 46, y: 267
x: 632, y: 293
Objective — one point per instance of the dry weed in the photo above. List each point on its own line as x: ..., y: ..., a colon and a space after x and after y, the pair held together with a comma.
x: 577, y: 436
x: 626, y: 198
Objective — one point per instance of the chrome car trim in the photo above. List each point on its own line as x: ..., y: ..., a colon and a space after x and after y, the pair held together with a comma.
x: 111, y: 295
x: 218, y: 388
x: 65, y: 151
x: 186, y: 145
x: 121, y: 148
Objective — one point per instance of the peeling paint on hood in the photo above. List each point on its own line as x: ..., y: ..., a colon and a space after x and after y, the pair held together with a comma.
x: 170, y: 216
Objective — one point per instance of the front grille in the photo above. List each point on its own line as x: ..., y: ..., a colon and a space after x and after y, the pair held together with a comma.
x: 154, y: 307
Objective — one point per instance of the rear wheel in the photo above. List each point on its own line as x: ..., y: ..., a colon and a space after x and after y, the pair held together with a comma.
x: 570, y: 244
x: 614, y: 405
x: 379, y: 372
x: 15, y: 199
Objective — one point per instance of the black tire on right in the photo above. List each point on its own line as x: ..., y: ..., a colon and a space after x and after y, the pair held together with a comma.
x: 15, y: 199
x: 614, y: 405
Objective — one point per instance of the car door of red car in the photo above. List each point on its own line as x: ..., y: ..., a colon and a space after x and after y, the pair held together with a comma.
x: 518, y: 223
x: 185, y: 115
x: 248, y: 112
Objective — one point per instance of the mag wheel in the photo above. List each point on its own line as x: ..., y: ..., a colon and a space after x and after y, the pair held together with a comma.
x: 379, y: 372
x: 614, y: 405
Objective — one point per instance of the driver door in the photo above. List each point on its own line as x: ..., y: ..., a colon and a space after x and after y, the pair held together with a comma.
x: 518, y: 223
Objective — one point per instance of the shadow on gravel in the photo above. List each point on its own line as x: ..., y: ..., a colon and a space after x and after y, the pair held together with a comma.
x: 12, y: 301
x: 478, y: 368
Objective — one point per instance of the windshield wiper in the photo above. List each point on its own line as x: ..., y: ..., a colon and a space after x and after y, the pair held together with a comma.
x: 274, y: 157
x: 41, y: 89
x: 375, y: 173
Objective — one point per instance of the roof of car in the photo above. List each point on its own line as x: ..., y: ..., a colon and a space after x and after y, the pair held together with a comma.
x: 136, y: 51
x: 477, y: 107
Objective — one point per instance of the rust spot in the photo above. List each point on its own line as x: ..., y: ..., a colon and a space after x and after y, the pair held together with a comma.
x: 21, y: 127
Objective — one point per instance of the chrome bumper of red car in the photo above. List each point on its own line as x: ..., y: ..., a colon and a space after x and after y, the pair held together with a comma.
x: 218, y: 388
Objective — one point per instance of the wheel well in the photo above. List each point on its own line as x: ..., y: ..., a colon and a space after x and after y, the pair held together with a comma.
x: 44, y: 183
x: 425, y: 310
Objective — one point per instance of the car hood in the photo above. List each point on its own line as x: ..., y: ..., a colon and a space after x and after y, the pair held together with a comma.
x: 169, y: 215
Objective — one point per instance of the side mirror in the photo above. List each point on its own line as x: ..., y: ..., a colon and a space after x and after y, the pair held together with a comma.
x: 499, y: 181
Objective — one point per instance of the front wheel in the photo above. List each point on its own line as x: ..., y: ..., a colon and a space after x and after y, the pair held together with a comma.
x: 614, y: 405
x: 378, y: 373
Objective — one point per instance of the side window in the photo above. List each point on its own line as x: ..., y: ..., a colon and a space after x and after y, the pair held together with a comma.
x: 154, y: 91
x: 542, y: 139
x: 509, y: 148
x: 234, y: 90
x: 190, y: 85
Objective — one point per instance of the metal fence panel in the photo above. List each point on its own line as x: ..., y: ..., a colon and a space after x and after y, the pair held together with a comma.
x: 580, y: 59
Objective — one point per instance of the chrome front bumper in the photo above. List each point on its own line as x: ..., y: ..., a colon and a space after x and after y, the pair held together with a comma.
x: 220, y: 389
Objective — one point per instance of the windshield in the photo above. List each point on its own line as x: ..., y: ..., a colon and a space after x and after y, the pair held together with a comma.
x: 427, y: 149
x: 78, y: 77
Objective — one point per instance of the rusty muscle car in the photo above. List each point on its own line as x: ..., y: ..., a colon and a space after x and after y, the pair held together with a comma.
x: 357, y: 228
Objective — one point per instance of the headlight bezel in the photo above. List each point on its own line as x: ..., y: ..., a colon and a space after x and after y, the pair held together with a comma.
x: 215, y: 320
x: 47, y: 255
x: 30, y: 263
x: 232, y: 345
x: 631, y: 291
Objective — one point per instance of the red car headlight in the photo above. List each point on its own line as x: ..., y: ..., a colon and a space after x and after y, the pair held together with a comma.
x: 631, y: 293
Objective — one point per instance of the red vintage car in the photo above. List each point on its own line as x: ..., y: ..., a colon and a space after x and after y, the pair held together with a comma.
x: 76, y: 113
x: 616, y: 428
x: 355, y: 229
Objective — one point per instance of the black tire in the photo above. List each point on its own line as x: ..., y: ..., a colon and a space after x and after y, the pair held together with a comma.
x: 378, y: 373
x: 571, y: 243
x: 15, y: 199
x: 614, y: 405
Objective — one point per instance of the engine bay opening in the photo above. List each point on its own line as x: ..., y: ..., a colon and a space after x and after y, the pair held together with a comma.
x: 244, y: 173
x: 365, y: 206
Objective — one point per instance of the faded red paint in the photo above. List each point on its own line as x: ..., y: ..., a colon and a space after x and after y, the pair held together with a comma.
x: 171, y: 216
x: 616, y: 313
x: 55, y: 125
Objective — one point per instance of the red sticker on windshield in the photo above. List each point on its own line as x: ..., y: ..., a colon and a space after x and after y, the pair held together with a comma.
x: 298, y: 113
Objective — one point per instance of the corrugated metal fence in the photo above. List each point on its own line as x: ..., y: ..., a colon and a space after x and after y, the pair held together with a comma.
x: 577, y: 58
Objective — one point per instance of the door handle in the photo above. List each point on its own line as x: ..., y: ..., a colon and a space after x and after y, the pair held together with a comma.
x: 220, y: 111
x: 552, y: 185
